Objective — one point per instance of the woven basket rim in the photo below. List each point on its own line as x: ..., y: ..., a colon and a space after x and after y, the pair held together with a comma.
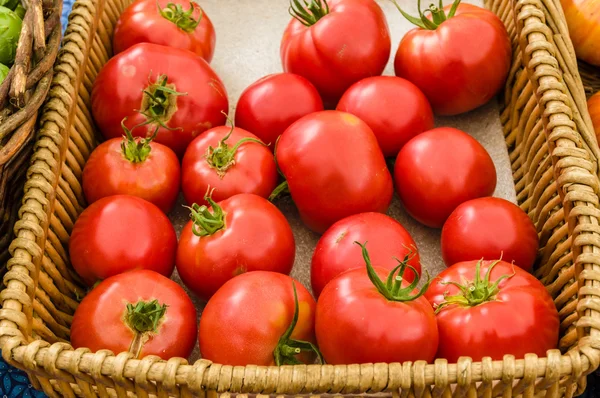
x: 62, y: 362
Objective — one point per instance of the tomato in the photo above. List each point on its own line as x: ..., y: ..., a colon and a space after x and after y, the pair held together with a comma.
x: 583, y: 21
x: 377, y: 101
x: 250, y: 321
x: 334, y: 168
x: 120, y: 233
x: 489, y: 228
x: 270, y: 105
x: 174, y: 23
x: 499, y: 310
x: 240, y: 234
x: 438, y: 170
x: 594, y: 108
x: 157, y: 86
x: 362, y: 319
x: 460, y: 61
x: 336, y: 251
x: 138, y: 311
x: 128, y: 166
x: 335, y: 44
x: 229, y: 160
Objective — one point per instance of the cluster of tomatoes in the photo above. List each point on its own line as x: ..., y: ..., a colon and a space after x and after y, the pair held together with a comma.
x: 237, y: 250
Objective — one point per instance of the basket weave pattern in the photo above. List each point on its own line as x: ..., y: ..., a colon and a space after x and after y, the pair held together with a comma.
x: 554, y: 155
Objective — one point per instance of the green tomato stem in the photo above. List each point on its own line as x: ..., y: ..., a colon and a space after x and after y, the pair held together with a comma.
x: 159, y: 102
x: 287, y: 349
x: 438, y: 15
x: 308, y: 12
x: 143, y: 319
x: 205, y: 222
x: 136, y: 150
x: 183, y: 19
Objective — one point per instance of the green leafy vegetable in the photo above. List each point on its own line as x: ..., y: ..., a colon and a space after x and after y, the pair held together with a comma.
x: 3, y: 72
x: 10, y: 30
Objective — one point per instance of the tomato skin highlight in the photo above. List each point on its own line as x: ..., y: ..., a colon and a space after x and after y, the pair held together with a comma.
x: 350, y: 43
x: 334, y: 168
x: 337, y: 253
x: 99, y: 323
x: 583, y: 21
x: 120, y: 233
x: 271, y: 104
x: 522, y: 320
x: 460, y: 65
x: 142, y: 22
x: 118, y: 92
x: 107, y: 172
x: 355, y: 324
x: 256, y: 236
x: 376, y: 100
x: 253, y: 169
x: 438, y: 170
x: 242, y: 323
x: 594, y: 109
x: 511, y: 234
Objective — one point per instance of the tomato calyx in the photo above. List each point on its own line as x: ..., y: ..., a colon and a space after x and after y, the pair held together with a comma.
x: 183, y: 19
x: 476, y: 292
x: 136, y: 150
x: 308, y: 13
x: 287, y: 348
x: 222, y: 157
x: 205, y: 222
x: 392, y: 289
x: 159, y: 102
x: 143, y: 318
x: 438, y: 15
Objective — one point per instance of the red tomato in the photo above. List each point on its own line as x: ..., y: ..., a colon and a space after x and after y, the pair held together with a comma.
x: 174, y: 23
x: 240, y: 234
x: 160, y: 86
x: 138, y: 311
x: 394, y: 108
x: 362, y: 319
x: 337, y: 44
x: 510, y: 235
x: 334, y: 168
x: 438, y: 170
x: 583, y: 21
x: 120, y: 233
x: 336, y: 251
x: 460, y: 64
x: 501, y: 310
x: 271, y: 104
x: 139, y: 167
x: 230, y: 160
x: 594, y: 108
x: 243, y: 323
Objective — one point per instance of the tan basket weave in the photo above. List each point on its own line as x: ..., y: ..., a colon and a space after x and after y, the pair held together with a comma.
x: 21, y: 96
x: 554, y: 156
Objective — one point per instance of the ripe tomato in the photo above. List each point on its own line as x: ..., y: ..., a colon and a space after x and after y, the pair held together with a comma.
x: 336, y: 251
x: 362, y: 319
x: 505, y: 311
x: 138, y: 311
x: 174, y: 23
x: 158, y: 86
x: 377, y: 101
x: 240, y: 234
x: 594, y: 108
x: 271, y: 104
x: 231, y: 161
x: 141, y: 168
x: 336, y: 44
x: 583, y: 20
x: 120, y: 233
x: 461, y: 62
x: 438, y: 170
x: 334, y: 168
x: 251, y: 321
x: 511, y: 234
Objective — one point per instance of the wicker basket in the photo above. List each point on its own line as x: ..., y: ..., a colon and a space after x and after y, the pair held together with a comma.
x: 21, y: 96
x: 554, y: 156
